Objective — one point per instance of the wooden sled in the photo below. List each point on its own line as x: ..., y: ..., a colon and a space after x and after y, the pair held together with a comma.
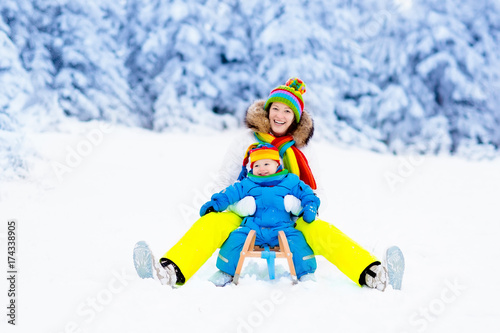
x: 253, y: 251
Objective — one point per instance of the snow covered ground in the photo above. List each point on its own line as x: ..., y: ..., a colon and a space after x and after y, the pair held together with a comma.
x: 100, y: 189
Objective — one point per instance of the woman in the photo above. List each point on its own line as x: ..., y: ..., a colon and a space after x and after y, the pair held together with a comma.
x: 282, y: 121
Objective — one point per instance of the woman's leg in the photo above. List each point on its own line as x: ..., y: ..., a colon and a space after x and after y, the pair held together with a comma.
x: 328, y: 241
x: 201, y: 240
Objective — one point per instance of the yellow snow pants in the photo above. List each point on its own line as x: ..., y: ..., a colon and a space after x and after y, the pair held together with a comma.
x: 328, y: 241
x: 211, y: 231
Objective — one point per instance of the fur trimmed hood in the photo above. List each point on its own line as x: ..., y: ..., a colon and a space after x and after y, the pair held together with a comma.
x: 256, y: 119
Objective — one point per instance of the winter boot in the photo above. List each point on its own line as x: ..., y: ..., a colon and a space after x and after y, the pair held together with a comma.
x: 168, y: 273
x: 221, y: 279
x: 374, y: 276
x: 307, y: 277
x: 165, y: 274
x: 165, y: 271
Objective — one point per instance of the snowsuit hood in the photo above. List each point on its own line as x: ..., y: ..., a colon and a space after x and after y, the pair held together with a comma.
x: 257, y: 119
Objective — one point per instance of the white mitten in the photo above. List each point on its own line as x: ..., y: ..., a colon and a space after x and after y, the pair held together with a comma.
x: 292, y: 204
x: 244, y: 207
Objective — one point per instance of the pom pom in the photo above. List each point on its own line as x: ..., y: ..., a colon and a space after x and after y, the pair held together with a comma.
x: 296, y: 84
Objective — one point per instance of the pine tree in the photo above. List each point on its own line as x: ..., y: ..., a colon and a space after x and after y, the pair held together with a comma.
x: 434, y: 78
x: 90, y: 74
x: 16, y: 90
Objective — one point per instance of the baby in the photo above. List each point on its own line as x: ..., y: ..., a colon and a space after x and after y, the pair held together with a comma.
x: 268, y: 183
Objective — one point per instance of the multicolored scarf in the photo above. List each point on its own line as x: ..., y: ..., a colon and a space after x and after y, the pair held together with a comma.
x: 293, y: 159
x: 269, y: 180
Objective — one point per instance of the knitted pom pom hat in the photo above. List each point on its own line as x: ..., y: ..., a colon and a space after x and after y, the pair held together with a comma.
x: 258, y: 152
x: 262, y: 152
x: 289, y: 94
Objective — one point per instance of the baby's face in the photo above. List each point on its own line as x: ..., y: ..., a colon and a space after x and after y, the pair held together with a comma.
x: 265, y: 167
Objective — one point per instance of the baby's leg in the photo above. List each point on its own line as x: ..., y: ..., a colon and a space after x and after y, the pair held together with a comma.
x: 303, y: 256
x: 229, y: 253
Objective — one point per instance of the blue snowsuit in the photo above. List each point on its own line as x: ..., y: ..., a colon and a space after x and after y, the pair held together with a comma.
x: 270, y: 217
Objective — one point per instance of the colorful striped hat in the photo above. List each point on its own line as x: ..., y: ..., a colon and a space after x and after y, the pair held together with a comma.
x: 264, y: 151
x: 289, y: 94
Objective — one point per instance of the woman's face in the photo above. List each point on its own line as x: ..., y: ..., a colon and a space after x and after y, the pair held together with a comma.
x: 281, y: 117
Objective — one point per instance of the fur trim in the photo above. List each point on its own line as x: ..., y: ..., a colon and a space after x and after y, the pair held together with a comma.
x: 257, y: 119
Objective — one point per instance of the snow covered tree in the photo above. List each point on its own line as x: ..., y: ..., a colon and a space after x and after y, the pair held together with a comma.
x: 434, y: 67
x: 185, y: 61
x: 90, y: 74
x: 395, y: 76
x: 16, y: 90
x: 70, y: 51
